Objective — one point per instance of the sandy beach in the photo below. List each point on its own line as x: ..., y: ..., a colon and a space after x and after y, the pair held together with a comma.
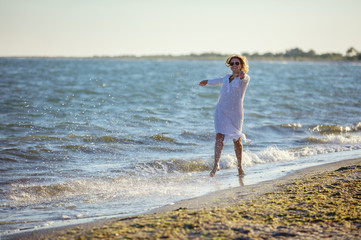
x: 312, y: 203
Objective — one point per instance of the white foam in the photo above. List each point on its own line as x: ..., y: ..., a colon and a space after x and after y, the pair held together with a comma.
x: 341, y: 139
x: 100, y: 190
x: 227, y: 161
x: 270, y: 154
x: 292, y: 125
x: 177, y: 184
x: 327, y: 144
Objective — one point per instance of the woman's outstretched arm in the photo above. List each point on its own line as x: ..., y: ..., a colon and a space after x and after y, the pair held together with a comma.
x: 203, y: 83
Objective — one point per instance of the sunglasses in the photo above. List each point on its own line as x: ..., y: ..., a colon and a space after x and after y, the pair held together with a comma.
x: 232, y: 63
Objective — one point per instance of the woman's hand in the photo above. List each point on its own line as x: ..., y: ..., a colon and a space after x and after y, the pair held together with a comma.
x: 241, y: 74
x: 203, y: 83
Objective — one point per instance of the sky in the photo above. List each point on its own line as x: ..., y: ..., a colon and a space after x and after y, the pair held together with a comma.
x: 84, y: 28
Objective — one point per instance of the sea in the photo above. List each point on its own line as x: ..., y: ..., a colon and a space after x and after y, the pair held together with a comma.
x: 83, y: 139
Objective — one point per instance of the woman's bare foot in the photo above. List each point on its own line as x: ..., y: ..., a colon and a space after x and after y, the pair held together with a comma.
x: 241, y: 172
x: 213, y: 172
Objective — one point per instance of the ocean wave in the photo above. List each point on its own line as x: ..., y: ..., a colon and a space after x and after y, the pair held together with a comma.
x: 268, y: 155
x: 320, y: 128
x: 227, y: 161
x: 335, y: 129
x: 174, y: 165
x: 207, y: 136
x: 71, y: 137
x: 75, y: 190
x: 7, y: 159
x: 152, y: 119
x: 109, y: 139
x: 161, y: 137
x: 94, y: 190
x: 282, y: 128
x: 16, y: 154
x: 144, y: 179
x: 291, y: 125
x: 167, y: 149
x: 325, y: 145
x: 43, y: 138
x: 81, y: 148
x: 323, y: 149
x: 335, y: 139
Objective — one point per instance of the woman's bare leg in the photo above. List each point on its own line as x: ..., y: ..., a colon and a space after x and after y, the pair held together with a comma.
x: 238, y: 148
x: 217, y: 153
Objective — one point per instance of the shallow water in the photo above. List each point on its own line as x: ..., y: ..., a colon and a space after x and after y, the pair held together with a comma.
x: 90, y: 138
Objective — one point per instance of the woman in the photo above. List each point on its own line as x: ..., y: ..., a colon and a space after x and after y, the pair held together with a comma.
x: 229, y: 111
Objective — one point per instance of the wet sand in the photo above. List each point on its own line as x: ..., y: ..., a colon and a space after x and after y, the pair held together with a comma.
x: 318, y: 202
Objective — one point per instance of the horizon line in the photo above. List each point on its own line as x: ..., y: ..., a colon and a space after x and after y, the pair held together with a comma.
x: 155, y: 55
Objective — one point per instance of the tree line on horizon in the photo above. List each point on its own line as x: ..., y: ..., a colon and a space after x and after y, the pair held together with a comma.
x: 299, y: 54
x: 291, y: 54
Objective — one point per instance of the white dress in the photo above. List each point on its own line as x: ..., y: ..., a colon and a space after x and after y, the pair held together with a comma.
x: 228, y: 118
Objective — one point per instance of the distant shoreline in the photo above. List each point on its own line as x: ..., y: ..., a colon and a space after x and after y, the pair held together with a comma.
x: 179, y: 58
x: 294, y: 54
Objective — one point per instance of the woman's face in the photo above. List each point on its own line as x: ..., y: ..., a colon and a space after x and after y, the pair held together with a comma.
x: 233, y: 65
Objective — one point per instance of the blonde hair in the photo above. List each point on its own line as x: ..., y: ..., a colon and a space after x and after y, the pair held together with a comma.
x: 242, y: 59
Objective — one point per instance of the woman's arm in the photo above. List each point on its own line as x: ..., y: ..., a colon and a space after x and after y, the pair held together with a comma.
x: 244, y: 83
x: 246, y: 78
x: 203, y: 83
x: 212, y: 82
